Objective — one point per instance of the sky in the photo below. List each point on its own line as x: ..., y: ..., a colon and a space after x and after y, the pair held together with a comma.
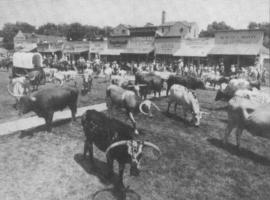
x: 236, y: 13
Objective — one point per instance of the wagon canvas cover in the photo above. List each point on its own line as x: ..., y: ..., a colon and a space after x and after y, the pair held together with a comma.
x: 27, y: 60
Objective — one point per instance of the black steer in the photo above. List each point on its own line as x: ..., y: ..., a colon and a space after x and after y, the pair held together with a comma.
x: 152, y: 81
x: 187, y: 81
x: 116, y: 139
x: 45, y: 102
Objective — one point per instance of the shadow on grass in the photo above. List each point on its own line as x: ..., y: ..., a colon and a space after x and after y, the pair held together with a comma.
x: 177, y: 118
x: 99, y: 169
x: 240, y: 152
x: 30, y: 132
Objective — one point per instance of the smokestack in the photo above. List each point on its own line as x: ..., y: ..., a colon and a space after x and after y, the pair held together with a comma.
x: 163, y: 17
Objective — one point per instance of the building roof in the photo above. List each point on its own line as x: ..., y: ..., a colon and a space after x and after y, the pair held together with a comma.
x: 172, y: 23
x: 239, y: 30
x: 28, y: 48
x: 34, y: 38
x: 125, y: 25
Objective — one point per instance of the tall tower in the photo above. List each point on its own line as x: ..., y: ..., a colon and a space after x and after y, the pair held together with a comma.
x: 163, y: 17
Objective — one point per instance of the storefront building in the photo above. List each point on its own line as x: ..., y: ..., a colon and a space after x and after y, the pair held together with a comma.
x: 96, y: 47
x: 76, y: 49
x: 195, y: 51
x: 117, y: 43
x: 239, y: 47
x: 140, y: 47
x: 165, y: 47
x: 47, y: 49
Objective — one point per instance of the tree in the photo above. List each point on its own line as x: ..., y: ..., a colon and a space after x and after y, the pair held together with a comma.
x: 48, y: 29
x: 10, y: 30
x: 76, y: 32
x: 212, y: 28
x: 265, y: 26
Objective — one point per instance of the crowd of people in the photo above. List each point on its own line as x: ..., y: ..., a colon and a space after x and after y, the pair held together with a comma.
x: 178, y: 66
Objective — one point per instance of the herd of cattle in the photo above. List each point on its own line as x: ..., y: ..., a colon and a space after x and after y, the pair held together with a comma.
x: 248, y: 109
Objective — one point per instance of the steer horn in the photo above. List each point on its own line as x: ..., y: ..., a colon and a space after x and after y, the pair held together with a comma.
x: 122, y: 142
x: 153, y: 146
x: 148, y: 103
x: 140, y: 107
x: 155, y: 105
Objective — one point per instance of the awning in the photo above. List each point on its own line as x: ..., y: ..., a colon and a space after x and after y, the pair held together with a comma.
x: 48, y: 50
x: 165, y: 51
x: 112, y: 52
x: 138, y: 50
x: 237, y: 49
x: 76, y: 51
x: 198, y: 47
x: 193, y: 51
x: 29, y: 48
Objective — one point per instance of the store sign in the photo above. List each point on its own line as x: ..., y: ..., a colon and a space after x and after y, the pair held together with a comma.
x: 167, y: 45
x: 245, y: 37
x: 141, y: 42
x: 117, y: 43
x: 97, y: 46
x: 46, y: 47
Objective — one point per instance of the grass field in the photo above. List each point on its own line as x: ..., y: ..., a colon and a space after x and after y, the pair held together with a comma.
x: 7, y: 111
x: 194, y: 163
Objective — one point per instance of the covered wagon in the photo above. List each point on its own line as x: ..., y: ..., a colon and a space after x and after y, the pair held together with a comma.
x: 24, y: 63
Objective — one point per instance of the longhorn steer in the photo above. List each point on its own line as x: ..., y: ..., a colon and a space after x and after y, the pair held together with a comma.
x: 233, y: 86
x: 181, y: 95
x: 187, y: 81
x: 116, y: 139
x: 117, y: 96
x: 45, y: 102
x: 245, y: 114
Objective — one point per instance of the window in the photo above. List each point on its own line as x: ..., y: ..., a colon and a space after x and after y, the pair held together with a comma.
x: 123, y: 31
x: 181, y: 30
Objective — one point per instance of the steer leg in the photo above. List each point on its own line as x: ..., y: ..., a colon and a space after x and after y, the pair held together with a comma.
x: 48, y: 121
x: 110, y: 166
x: 73, y: 109
x: 133, y: 123
x: 228, y: 131
x: 175, y: 107
x: 168, y: 108
x: 238, y: 134
x: 121, y: 173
